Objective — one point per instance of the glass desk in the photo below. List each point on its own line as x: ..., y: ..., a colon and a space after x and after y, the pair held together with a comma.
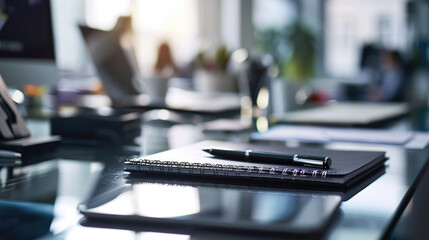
x: 42, y: 198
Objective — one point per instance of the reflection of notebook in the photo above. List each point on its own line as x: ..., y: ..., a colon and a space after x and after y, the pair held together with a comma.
x: 346, y: 114
x: 117, y: 69
x: 348, y: 167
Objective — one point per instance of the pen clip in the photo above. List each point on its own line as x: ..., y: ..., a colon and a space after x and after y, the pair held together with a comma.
x: 313, y: 161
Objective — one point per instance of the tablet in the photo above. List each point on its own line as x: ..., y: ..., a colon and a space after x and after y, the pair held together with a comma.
x: 211, y: 208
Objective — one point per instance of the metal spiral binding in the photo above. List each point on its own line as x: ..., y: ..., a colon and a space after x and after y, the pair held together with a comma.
x: 219, y: 169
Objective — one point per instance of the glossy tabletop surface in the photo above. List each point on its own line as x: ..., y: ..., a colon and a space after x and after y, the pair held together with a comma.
x: 43, y: 197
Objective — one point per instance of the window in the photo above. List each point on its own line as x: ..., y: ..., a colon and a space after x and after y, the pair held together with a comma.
x: 352, y: 23
x: 173, y: 21
x: 273, y: 13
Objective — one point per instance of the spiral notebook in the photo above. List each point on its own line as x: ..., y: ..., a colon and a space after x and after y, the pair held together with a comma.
x: 348, y: 167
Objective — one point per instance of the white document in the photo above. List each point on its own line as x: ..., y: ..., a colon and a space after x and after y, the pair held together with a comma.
x: 408, y: 139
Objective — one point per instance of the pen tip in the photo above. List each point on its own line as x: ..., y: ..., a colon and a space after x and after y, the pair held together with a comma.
x: 328, y: 162
x: 207, y: 150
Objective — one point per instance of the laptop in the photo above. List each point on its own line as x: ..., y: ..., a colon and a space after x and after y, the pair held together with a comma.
x: 118, y: 71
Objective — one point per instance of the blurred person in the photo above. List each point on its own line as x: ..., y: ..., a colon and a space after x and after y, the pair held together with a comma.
x: 391, y: 80
x: 368, y: 76
x: 165, y: 64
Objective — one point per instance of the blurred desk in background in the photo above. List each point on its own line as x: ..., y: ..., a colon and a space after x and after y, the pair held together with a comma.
x: 350, y: 114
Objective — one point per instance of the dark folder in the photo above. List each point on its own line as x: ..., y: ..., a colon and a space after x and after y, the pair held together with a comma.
x: 348, y: 167
x: 188, y: 210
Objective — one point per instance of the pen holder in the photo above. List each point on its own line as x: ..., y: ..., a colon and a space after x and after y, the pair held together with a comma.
x: 255, y: 90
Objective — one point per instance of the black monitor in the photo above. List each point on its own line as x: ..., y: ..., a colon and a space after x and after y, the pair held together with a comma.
x: 27, y: 54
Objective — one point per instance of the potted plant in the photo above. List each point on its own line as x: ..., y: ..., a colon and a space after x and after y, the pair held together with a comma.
x: 210, y: 72
x: 293, y: 51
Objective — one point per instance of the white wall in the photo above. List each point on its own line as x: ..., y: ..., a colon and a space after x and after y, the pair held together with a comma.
x: 69, y: 47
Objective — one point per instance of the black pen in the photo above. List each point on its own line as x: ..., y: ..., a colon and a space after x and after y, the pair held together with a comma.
x: 276, y: 158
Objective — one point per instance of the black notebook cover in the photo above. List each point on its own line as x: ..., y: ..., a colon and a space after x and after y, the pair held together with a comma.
x: 347, y: 168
